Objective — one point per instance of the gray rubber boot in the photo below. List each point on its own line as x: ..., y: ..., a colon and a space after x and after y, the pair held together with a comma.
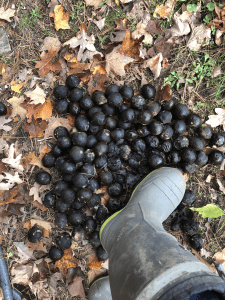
x: 146, y: 262
x: 100, y: 290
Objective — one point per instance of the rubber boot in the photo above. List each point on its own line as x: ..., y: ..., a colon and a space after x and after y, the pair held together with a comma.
x: 146, y: 262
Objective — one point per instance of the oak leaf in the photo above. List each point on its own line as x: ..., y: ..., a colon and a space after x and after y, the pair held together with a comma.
x: 16, y: 108
x: 55, y: 122
x: 66, y: 262
x: 45, y: 111
x: 16, y: 87
x: 11, y: 198
x: 85, y: 43
x: 6, y: 14
x: 130, y: 46
x: 45, y: 65
x: 37, y: 96
x: 3, y: 122
x: 10, y: 179
x: 35, y: 129
x: 216, y: 120
x: 115, y: 62
x: 13, y: 162
x: 51, y: 42
x: 61, y: 18
x: 154, y: 64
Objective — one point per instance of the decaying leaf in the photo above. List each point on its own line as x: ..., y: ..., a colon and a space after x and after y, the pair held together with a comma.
x: 205, y: 253
x: 37, y: 96
x: 216, y: 71
x: 24, y: 252
x: 3, y: 122
x: 94, y: 3
x: 51, y: 42
x: 179, y: 29
x: 67, y: 261
x: 76, y: 287
x: 165, y: 11
x: 154, y: 64
x: 35, y: 129
x: 16, y: 87
x: 23, y: 274
x: 153, y: 27
x: 32, y: 159
x: 36, y: 191
x: 115, y: 62
x: 100, y: 23
x: 103, y: 191
x: 85, y: 43
x: 216, y: 120
x: 13, y: 162
x: 55, y: 122
x: 130, y: 46
x: 141, y: 31
x: 93, y: 274
x: 46, y: 64
x: 6, y: 14
x: 10, y: 179
x: 200, y: 36
x: 61, y: 18
x: 16, y: 108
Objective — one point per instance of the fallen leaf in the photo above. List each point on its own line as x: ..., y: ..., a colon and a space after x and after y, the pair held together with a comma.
x: 67, y: 261
x: 179, y: 29
x: 165, y: 11
x: 200, y: 36
x: 154, y: 64
x: 23, y: 274
x: 105, y: 195
x: 24, y: 252
x: 86, y: 45
x: 130, y: 46
x: 153, y: 27
x: 161, y: 45
x: 208, y: 231
x: 45, y: 111
x: 13, y: 162
x: 94, y: 3
x: 36, y: 191
x: 216, y: 71
x: 220, y: 256
x: 2, y: 68
x: 53, y: 282
x: 16, y: 87
x: 71, y: 120
x: 219, y: 37
x: 100, y: 23
x: 55, y: 122
x: 16, y: 108
x: 35, y: 129
x: 205, y: 253
x: 51, y: 42
x: 32, y: 159
x: 76, y: 287
x: 36, y: 246
x: 208, y: 179
x: 221, y: 187
x: 46, y: 226
x: 216, y: 120
x: 105, y: 264
x: 6, y: 14
x: 11, y: 199
x: 93, y: 274
x: 46, y: 64
x: 117, y: 36
x: 115, y: 62
x: 3, y: 122
x: 22, y: 75
x: 61, y: 18
x: 37, y: 96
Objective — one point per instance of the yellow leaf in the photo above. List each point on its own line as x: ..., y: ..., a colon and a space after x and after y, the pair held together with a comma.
x: 61, y: 18
x: 2, y: 68
x: 16, y: 87
x: 70, y: 58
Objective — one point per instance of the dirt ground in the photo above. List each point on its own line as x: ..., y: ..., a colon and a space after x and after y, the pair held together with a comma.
x: 26, y: 35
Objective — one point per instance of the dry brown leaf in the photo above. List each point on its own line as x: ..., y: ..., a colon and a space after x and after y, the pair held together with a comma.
x: 16, y: 87
x: 130, y: 46
x: 6, y: 14
x: 219, y: 37
x: 100, y: 23
x: 95, y: 264
x: 2, y: 68
x: 32, y: 110
x: 45, y: 111
x: 23, y: 274
x: 115, y: 62
x: 36, y: 246
x: 165, y: 93
x: 105, y: 195
x: 76, y: 287
x: 71, y: 120
x: 161, y: 45
x: 208, y: 179
x: 24, y: 252
x: 221, y: 187
x: 51, y: 42
x: 35, y: 129
x: 94, y: 3
x: 16, y: 108
x: 66, y: 262
x: 216, y: 71
x: 117, y: 36
x: 179, y: 29
x: 11, y: 199
x: 85, y: 43
x: 200, y: 36
x: 61, y: 18
x: 45, y: 65
x: 154, y: 64
x: 3, y: 122
x: 220, y: 256
x: 153, y: 27
x: 122, y: 24
x: 36, y: 96
x: 55, y: 122
x: 208, y: 231
x: 93, y: 274
x: 165, y: 11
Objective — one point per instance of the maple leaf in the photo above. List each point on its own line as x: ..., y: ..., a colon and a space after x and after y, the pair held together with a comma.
x: 45, y: 65
x: 16, y: 87
x: 115, y: 62
x: 51, y: 42
x: 10, y: 180
x: 4, y: 121
x: 6, y: 14
x: 53, y: 123
x: 35, y: 129
x: 85, y: 43
x: 216, y: 120
x: 130, y: 46
x: 165, y: 11
x: 154, y: 64
x: 94, y: 3
x: 37, y: 96
x: 61, y: 18
x: 13, y: 162
x: 16, y: 108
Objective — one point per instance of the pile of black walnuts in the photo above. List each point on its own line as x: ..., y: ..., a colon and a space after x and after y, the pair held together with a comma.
x: 118, y: 139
